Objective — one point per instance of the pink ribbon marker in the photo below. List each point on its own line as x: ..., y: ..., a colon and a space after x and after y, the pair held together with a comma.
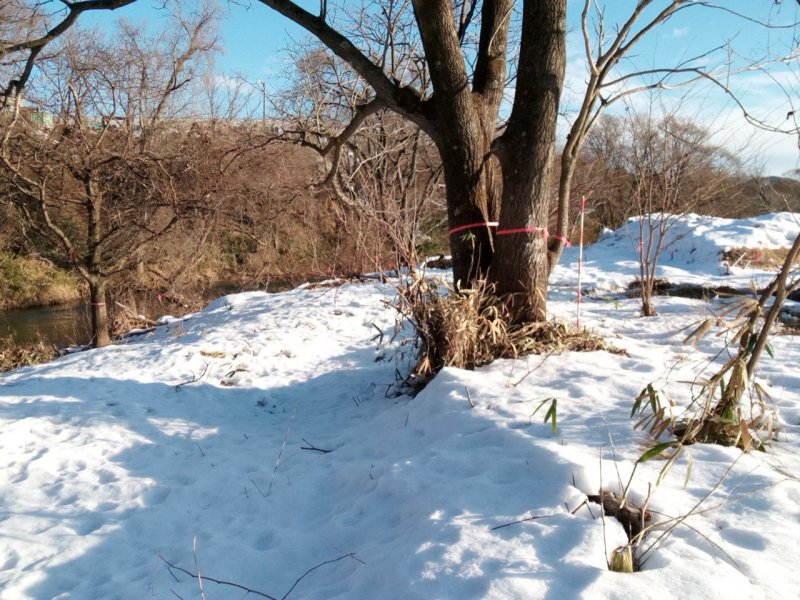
x: 544, y: 231
x: 472, y: 226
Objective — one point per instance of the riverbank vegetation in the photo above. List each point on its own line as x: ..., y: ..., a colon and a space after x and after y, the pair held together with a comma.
x: 33, y: 281
x: 13, y: 355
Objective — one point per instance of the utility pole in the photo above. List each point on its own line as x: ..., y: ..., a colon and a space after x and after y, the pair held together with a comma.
x: 262, y: 87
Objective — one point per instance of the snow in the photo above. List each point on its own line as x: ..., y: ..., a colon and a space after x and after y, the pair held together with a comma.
x: 691, y: 251
x: 190, y: 445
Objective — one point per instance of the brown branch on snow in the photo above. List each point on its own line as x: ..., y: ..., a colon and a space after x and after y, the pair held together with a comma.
x: 314, y: 448
x: 631, y: 517
x: 194, y: 379
x: 201, y: 578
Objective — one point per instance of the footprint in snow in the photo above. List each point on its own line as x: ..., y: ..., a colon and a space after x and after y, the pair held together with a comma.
x: 11, y: 561
x: 157, y: 495
x: 89, y: 524
x: 107, y: 476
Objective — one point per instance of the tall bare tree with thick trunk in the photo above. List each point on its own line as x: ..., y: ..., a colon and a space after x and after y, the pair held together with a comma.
x: 460, y: 112
x: 497, y: 162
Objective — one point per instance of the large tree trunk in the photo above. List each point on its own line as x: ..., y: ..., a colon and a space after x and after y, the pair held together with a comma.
x: 469, y: 210
x: 97, y: 295
x: 462, y: 125
x: 520, y: 267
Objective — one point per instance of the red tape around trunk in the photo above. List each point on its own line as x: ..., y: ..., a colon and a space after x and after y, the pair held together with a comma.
x: 544, y: 231
x: 471, y: 226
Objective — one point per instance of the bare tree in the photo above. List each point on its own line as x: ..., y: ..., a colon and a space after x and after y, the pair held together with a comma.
x: 27, y: 27
x: 385, y: 175
x: 674, y: 168
x: 104, y: 180
x: 493, y: 168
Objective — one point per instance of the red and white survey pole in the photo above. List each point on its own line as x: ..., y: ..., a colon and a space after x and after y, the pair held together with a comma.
x: 580, y: 265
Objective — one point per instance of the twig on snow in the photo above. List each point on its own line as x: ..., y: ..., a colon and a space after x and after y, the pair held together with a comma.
x: 194, y: 379
x: 217, y: 581
x: 280, y: 453
x: 197, y: 568
x: 312, y: 569
x: 531, y: 518
x: 314, y: 448
x: 258, y: 488
x: 202, y: 578
x: 469, y: 397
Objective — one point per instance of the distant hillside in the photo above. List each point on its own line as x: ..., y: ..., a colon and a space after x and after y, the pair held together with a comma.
x: 767, y: 194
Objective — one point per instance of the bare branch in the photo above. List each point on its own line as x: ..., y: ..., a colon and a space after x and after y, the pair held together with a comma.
x: 403, y: 100
x: 36, y: 45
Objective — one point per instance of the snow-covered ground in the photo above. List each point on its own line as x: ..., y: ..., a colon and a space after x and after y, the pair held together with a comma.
x: 259, y: 439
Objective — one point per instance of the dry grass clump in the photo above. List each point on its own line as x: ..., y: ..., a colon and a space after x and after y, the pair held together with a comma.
x: 14, y: 356
x: 763, y: 258
x: 470, y: 328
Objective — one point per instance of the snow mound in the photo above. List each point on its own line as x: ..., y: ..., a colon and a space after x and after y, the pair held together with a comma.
x: 692, y: 249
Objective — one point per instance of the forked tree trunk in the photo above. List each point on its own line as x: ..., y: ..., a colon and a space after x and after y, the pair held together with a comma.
x: 461, y: 117
x: 97, y: 295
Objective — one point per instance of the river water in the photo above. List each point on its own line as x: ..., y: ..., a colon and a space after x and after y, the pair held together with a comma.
x: 66, y: 324
x: 61, y: 325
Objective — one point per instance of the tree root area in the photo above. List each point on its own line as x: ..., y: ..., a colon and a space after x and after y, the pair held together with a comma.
x: 631, y: 517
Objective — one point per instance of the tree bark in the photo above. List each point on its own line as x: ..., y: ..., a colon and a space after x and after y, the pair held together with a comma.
x: 467, y: 179
x: 97, y: 295
x: 464, y: 127
x: 520, y: 266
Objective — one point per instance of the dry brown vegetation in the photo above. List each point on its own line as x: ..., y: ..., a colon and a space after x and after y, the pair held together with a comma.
x: 763, y: 258
x: 14, y: 356
x: 473, y: 327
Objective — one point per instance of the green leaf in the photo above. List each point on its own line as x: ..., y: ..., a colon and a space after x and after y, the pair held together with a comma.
x: 552, y: 415
x: 670, y: 461
x: 654, y: 403
x: 637, y: 403
x: 751, y: 343
x: 656, y: 450
x: 769, y: 350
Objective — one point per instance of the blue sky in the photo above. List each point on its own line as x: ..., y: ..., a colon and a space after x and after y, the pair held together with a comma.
x: 254, y: 37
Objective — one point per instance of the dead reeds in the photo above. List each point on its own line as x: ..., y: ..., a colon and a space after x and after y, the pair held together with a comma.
x: 472, y: 327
